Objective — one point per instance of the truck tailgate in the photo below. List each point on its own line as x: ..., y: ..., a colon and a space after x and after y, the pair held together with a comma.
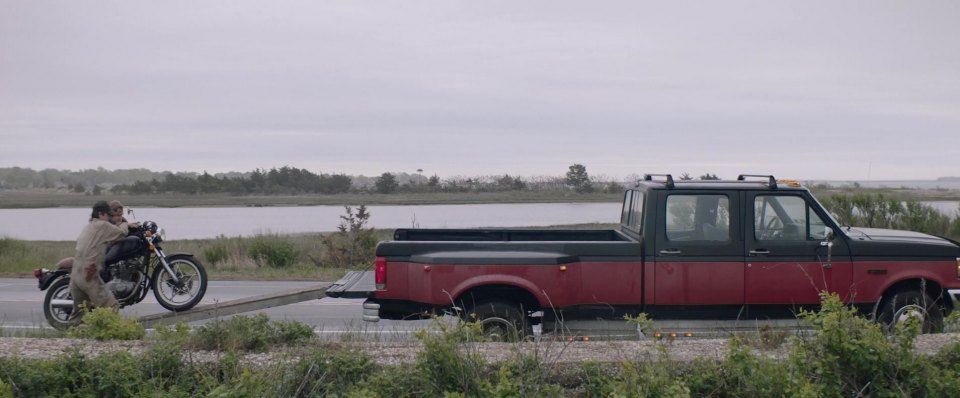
x: 355, y: 284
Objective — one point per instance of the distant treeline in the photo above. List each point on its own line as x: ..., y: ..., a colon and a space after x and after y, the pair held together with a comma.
x: 289, y: 181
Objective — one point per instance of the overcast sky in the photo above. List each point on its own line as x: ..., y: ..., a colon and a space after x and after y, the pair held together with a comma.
x: 801, y: 89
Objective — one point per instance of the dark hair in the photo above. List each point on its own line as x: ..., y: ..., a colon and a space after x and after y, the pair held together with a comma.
x: 100, y: 207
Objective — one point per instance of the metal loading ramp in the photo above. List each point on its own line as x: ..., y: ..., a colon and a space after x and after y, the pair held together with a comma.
x: 238, y: 306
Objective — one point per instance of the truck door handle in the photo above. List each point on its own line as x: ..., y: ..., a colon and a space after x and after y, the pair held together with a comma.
x: 667, y: 252
x: 759, y: 252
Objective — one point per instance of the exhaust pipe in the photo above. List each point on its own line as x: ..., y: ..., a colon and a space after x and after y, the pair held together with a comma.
x: 61, y: 303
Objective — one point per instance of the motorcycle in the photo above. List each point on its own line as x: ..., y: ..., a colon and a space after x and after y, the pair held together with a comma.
x: 137, y: 265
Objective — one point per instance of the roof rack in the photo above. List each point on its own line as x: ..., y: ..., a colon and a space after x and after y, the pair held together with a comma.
x: 771, y: 181
x: 669, y: 181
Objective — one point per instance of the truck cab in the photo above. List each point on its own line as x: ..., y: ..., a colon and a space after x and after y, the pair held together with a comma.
x: 759, y: 247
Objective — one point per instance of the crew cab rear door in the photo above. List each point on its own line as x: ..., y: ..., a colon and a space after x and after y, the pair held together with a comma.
x: 786, y: 252
x: 699, y: 250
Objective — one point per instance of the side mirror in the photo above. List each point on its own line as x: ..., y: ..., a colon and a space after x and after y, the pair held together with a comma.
x: 828, y: 242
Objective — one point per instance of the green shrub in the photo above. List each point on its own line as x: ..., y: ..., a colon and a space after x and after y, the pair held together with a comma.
x: 107, y: 324
x: 851, y: 355
x: 290, y: 332
x: 444, y: 366
x: 398, y: 381
x: 524, y: 376
x: 320, y: 373
x: 247, y: 384
x: 6, y: 391
x: 164, y: 360
x: 753, y: 376
x: 879, y: 211
x: 216, y: 254
x: 272, y: 251
x: 650, y: 379
x: 353, y: 244
x: 249, y: 333
x: 178, y: 336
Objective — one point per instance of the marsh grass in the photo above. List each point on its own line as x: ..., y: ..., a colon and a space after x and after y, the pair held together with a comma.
x: 261, y: 257
x: 20, y: 258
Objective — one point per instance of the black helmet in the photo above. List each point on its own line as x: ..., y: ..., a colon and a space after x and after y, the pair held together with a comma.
x: 150, y: 226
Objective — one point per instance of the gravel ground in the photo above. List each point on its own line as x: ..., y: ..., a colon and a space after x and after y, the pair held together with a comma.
x: 406, y: 352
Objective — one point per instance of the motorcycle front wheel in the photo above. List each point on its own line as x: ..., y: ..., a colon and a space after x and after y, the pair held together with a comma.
x: 58, y: 304
x: 183, y: 295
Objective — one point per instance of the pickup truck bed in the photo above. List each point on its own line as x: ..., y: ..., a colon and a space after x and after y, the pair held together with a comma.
x: 509, y: 235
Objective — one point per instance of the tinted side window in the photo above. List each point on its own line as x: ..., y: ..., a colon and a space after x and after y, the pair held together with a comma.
x: 625, y: 216
x: 698, y: 217
x: 779, y: 217
x: 636, y: 215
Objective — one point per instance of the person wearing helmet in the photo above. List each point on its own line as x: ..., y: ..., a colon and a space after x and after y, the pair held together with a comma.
x: 85, y: 284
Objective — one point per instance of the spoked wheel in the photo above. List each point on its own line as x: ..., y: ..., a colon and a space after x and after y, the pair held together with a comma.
x: 184, y: 291
x: 500, y: 321
x: 911, y: 304
x: 58, y: 304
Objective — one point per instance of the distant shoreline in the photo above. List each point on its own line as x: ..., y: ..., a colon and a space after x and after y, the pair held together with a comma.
x: 39, y: 199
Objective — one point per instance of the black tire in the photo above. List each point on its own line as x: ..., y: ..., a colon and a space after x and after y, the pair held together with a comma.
x: 901, y: 305
x: 501, y: 321
x: 58, y: 317
x: 185, y: 295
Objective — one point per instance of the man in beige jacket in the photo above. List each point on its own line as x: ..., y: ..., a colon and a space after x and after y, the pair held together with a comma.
x: 85, y: 283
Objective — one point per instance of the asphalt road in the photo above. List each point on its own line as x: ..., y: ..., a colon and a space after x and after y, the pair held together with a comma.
x: 21, y: 308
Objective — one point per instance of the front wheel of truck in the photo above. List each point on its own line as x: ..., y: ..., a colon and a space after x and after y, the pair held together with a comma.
x: 501, y: 321
x: 911, y: 304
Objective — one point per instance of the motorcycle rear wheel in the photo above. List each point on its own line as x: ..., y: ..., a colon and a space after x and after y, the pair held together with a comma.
x: 188, y: 292
x: 58, y: 317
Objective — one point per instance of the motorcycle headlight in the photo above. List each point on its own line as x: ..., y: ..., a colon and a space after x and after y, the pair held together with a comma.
x: 160, y: 235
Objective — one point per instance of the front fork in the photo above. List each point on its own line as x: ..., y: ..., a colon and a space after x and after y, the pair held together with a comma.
x: 165, y: 264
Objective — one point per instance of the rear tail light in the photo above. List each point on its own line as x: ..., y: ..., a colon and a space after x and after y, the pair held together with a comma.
x: 380, y: 273
x: 38, y: 273
x: 958, y: 267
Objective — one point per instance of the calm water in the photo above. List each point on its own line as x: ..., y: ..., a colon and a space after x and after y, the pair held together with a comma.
x: 210, y: 222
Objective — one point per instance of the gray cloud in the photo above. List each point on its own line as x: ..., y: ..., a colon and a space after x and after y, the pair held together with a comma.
x: 806, y: 90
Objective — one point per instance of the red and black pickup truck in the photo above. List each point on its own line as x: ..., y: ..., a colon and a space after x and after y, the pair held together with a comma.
x: 754, y: 248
